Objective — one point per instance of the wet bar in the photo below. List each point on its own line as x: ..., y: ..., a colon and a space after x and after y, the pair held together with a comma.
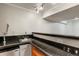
x: 60, y: 42
x: 39, y: 29
x: 15, y: 46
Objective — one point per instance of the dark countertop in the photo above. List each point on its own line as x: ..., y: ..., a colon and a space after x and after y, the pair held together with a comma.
x: 67, y: 41
x: 57, y: 35
x: 10, y: 38
x: 51, y: 50
x: 12, y: 45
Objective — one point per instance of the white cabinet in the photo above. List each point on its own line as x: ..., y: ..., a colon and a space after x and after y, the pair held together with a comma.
x: 22, y: 50
x: 14, y: 52
x: 25, y: 50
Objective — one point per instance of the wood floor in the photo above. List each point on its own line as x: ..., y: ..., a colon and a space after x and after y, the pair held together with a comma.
x: 37, y: 52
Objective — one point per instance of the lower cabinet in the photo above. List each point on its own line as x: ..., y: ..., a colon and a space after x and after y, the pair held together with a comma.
x: 25, y: 50
x: 22, y: 50
x: 14, y: 52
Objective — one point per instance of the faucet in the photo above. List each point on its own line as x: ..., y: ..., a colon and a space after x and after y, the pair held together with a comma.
x: 4, y: 42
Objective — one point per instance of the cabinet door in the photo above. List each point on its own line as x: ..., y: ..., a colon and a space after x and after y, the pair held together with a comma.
x: 14, y: 52
x: 25, y: 50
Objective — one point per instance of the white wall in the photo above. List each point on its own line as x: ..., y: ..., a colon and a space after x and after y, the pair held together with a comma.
x: 22, y: 21
x: 72, y: 28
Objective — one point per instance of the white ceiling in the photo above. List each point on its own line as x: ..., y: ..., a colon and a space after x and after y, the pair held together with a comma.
x: 68, y: 14
x: 58, y: 11
x: 31, y: 6
x: 25, y: 5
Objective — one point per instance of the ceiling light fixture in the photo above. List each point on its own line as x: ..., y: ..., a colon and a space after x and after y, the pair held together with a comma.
x: 39, y: 7
x: 37, y: 11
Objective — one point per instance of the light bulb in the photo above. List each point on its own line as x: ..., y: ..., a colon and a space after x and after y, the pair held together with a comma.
x: 41, y: 8
x: 37, y: 11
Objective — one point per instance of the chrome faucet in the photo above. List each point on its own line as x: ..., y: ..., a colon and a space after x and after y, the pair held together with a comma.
x: 4, y: 42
